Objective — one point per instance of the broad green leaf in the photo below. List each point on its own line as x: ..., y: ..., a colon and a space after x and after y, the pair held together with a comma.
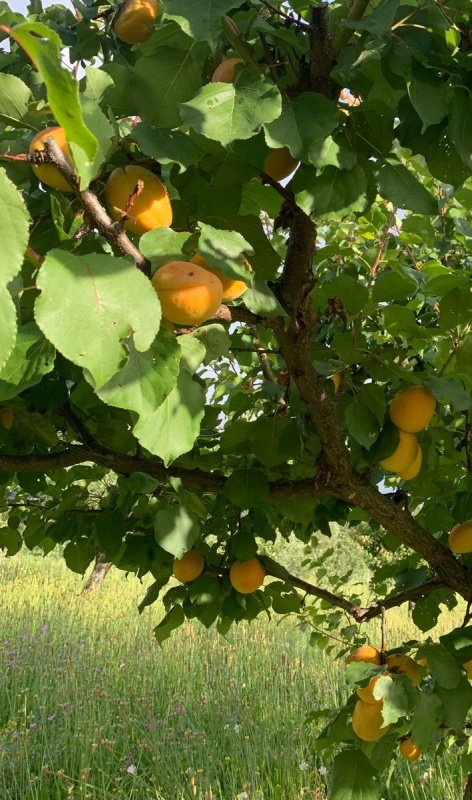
x: 226, y: 112
x: 361, y: 423
x: 398, y: 697
x: 333, y: 194
x: 78, y: 554
x: 397, y: 184
x: 14, y: 225
x: 193, y: 352
x: 166, y: 145
x: 162, y: 82
x: 8, y: 329
x: 459, y: 641
x: 353, y: 777
x: 10, y: 540
x: 428, y: 96
x: 163, y: 245
x: 261, y: 300
x: 89, y: 305
x: 15, y: 97
x: 224, y: 249
x: 247, y: 488
x: 146, y: 379
x: 172, y: 429
x: 31, y: 358
x: 442, y: 665
x: 378, y: 21
x: 176, y: 530
x: 303, y: 125
x: 172, y: 620
x: 200, y: 19
x: 460, y: 125
x: 215, y: 339
x: 457, y: 703
x: 427, y: 715
x: 43, y: 46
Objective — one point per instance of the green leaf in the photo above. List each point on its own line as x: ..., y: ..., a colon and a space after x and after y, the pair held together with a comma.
x: 166, y: 145
x: 193, y: 352
x: 460, y: 125
x: 172, y: 429
x: 44, y: 46
x: 78, y: 554
x: 31, y: 358
x: 200, y: 19
x: 379, y: 21
x: 457, y: 703
x: 285, y: 599
x: 353, y: 777
x: 303, y: 125
x: 14, y: 225
x: 247, y: 488
x: 89, y: 305
x: 172, y: 620
x: 163, y: 245
x: 226, y: 112
x: 8, y: 329
x: 333, y: 194
x: 428, y: 96
x: 10, y: 540
x: 176, y: 530
x: 215, y: 339
x: 162, y: 82
x: 398, y: 695
x: 442, y: 665
x: 361, y: 423
x: 224, y: 249
x: 397, y: 184
x: 146, y: 379
x: 15, y: 97
x: 261, y: 300
x: 426, y: 718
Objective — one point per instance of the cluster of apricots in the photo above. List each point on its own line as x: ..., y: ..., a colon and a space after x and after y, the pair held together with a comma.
x: 245, y: 576
x: 367, y: 718
x: 411, y: 410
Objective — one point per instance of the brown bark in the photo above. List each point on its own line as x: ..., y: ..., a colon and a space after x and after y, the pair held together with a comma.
x: 468, y: 789
x: 100, y: 570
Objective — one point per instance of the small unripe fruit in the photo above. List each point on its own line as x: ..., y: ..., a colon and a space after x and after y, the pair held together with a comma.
x: 6, y: 418
x: 151, y: 208
x: 409, y: 750
x: 411, y: 409
x: 404, y: 454
x: 460, y: 537
x: 414, y: 469
x: 280, y: 163
x: 232, y: 288
x: 189, y: 294
x: 367, y: 721
x: 366, y: 653
x: 135, y: 21
x: 247, y: 576
x: 46, y: 173
x: 189, y: 567
x: 224, y: 73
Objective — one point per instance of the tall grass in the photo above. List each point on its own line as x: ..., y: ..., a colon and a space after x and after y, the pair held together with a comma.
x: 91, y: 707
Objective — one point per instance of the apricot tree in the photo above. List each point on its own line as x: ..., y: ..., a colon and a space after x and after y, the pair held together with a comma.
x: 292, y: 183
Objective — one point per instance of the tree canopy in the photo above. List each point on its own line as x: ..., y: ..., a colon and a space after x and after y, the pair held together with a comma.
x: 325, y: 174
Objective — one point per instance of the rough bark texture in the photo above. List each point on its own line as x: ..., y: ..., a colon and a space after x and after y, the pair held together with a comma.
x: 100, y: 570
x: 468, y: 789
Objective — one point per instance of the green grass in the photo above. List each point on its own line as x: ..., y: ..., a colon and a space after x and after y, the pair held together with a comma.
x: 92, y: 708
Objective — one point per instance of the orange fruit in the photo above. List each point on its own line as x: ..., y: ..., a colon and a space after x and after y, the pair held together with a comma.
x: 414, y: 469
x: 409, y: 750
x: 366, y: 653
x: 403, y: 456
x: 224, y: 73
x: 135, y: 20
x: 336, y: 377
x: 6, y: 417
x: 366, y: 693
x: 460, y: 537
x: 188, y: 293
x: 280, y: 163
x: 151, y: 208
x: 189, y: 567
x: 367, y: 721
x: 46, y: 173
x: 232, y: 288
x: 468, y: 668
x: 397, y: 662
x: 247, y: 576
x: 411, y: 409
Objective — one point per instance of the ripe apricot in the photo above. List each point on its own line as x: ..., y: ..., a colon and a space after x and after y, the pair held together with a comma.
x: 468, y: 668
x: 399, y: 663
x: 404, y: 454
x: 414, y: 469
x: 279, y: 164
x: 411, y: 409
x: 232, y: 288
x: 367, y: 721
x: 460, y: 537
x: 367, y: 653
x: 189, y: 567
x: 188, y: 293
x: 224, y: 73
x: 6, y: 417
x: 151, y: 208
x: 46, y: 173
x: 409, y: 750
x: 366, y: 693
x: 336, y: 377
x: 135, y: 20
x: 247, y: 576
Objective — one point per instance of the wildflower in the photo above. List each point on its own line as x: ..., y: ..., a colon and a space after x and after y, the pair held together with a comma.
x: 303, y: 766
x: 132, y: 769
x: 237, y: 728
x: 323, y: 771
x: 51, y: 717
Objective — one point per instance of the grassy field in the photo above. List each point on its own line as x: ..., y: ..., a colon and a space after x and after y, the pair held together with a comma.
x: 92, y: 708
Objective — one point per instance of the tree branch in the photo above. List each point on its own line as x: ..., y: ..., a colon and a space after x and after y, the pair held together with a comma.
x: 322, y: 53
x: 343, y: 35
x: 468, y: 789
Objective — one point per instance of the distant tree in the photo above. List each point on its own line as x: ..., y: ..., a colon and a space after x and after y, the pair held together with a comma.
x: 239, y: 348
